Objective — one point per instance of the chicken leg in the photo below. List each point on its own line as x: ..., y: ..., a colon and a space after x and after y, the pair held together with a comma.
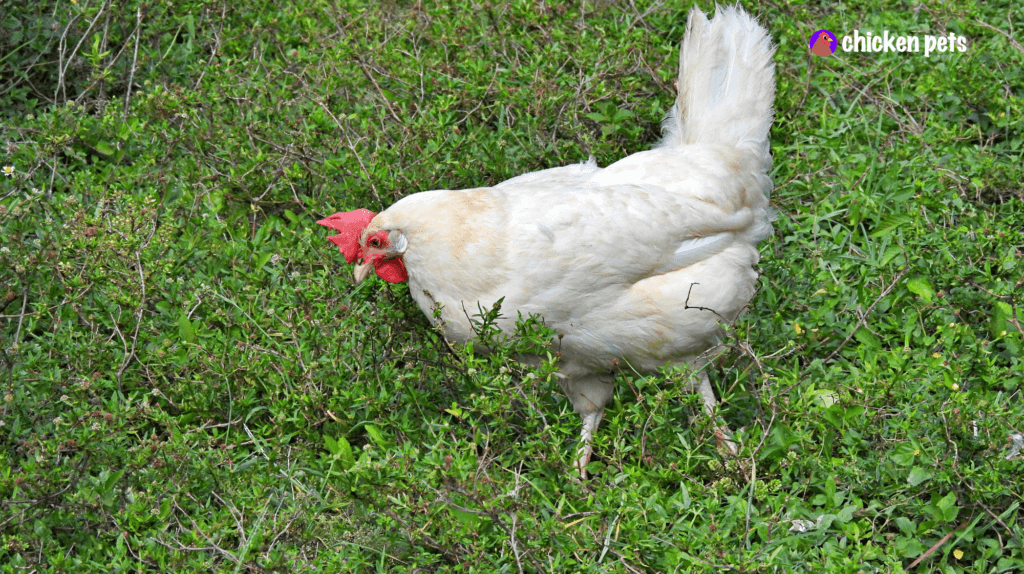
x: 590, y: 394
x: 724, y: 441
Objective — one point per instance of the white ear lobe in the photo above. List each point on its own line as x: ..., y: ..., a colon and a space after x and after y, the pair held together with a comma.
x: 400, y: 243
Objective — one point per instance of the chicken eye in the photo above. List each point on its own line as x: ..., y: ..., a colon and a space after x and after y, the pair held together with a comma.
x: 374, y: 242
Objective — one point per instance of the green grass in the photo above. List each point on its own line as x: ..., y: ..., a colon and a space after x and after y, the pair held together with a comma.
x: 191, y: 382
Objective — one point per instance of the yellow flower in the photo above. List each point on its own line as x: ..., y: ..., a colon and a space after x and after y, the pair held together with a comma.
x: 796, y: 327
x: 958, y: 553
x: 956, y: 387
x: 8, y: 170
x: 937, y: 355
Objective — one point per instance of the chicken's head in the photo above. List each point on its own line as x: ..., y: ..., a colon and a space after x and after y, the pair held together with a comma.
x: 363, y: 241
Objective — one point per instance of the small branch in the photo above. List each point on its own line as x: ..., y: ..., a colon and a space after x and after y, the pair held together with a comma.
x: 1013, y: 42
x: 807, y: 84
x: 495, y: 519
x: 862, y: 322
x: 352, y: 147
x: 1000, y: 521
x: 138, y: 321
x: 387, y: 103
x: 1014, y: 319
x: 21, y: 319
x: 424, y: 538
x: 213, y: 51
x: 936, y: 546
x: 63, y: 69
x: 687, y: 305
x: 131, y: 73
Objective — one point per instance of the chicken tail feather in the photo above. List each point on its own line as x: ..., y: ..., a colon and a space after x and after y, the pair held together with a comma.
x: 726, y: 83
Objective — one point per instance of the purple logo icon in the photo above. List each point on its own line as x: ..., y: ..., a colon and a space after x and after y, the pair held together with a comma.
x: 823, y: 43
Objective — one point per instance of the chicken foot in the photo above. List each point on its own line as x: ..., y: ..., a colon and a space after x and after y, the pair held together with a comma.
x: 589, y: 395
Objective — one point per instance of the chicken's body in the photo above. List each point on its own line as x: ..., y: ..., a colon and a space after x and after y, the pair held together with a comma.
x: 634, y: 265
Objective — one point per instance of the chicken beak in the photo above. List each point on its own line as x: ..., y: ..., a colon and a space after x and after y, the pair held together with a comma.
x: 362, y: 271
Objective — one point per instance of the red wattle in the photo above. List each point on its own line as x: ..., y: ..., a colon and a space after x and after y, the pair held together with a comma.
x: 391, y: 270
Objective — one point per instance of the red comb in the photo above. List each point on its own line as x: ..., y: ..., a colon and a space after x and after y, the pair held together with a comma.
x: 350, y: 226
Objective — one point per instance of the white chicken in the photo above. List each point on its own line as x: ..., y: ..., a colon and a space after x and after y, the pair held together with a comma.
x: 635, y: 265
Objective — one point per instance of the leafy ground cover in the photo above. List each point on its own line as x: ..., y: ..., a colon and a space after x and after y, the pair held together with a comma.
x: 191, y: 382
